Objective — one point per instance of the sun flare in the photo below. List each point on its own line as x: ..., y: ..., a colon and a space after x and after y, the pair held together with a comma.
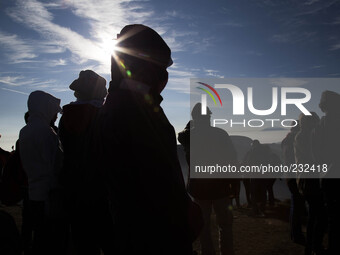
x: 108, y: 44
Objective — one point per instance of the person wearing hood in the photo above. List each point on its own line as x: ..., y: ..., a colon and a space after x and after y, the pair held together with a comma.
x: 86, y: 198
x: 41, y: 157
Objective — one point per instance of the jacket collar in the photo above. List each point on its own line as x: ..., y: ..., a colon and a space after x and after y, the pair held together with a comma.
x: 138, y: 88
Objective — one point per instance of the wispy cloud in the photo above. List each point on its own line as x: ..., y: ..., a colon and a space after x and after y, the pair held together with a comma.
x: 312, y: 7
x: 294, y: 37
x: 317, y: 67
x: 281, y: 38
x: 15, y: 91
x: 174, y: 44
x: 179, y: 79
x: 200, y: 44
x: 104, y: 24
x: 213, y: 73
x: 183, y: 40
x: 17, y: 49
x: 335, y: 46
x: 58, y: 62
x: 310, y: 2
x: 16, y: 81
x: 37, y: 17
x: 336, y: 21
x: 105, y: 18
x: 178, y: 14
x: 233, y: 24
x: 334, y: 74
x: 254, y: 53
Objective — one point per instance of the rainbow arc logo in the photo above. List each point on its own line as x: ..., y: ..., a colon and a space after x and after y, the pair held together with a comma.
x: 209, y: 93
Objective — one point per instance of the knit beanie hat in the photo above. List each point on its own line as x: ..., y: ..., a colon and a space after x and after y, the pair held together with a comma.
x: 144, y: 43
x: 89, y: 86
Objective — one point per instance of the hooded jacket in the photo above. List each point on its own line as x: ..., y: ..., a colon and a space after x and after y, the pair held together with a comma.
x: 39, y: 145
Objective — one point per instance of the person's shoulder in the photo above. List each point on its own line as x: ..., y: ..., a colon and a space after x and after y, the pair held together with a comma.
x: 219, y: 131
x: 78, y: 114
x: 27, y: 129
x: 184, y: 136
x: 36, y: 132
x: 74, y: 108
x: 285, y: 140
x: 300, y: 138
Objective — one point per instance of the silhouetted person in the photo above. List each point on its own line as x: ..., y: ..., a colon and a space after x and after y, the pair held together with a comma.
x: 52, y: 124
x: 41, y: 158
x: 274, y: 160
x: 10, y: 243
x: 4, y: 155
x: 14, y: 188
x: 26, y: 226
x: 310, y: 187
x: 91, y: 223
x: 138, y: 150
x: 246, y: 184
x: 257, y: 155
x: 297, y: 207
x: 236, y: 189
x: 210, y: 146
x: 326, y: 140
x: 184, y: 139
x: 13, y: 179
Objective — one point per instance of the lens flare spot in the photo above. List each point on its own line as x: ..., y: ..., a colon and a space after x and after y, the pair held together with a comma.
x: 122, y: 64
x: 148, y: 99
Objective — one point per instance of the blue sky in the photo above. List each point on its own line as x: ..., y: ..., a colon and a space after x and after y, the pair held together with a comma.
x: 44, y: 45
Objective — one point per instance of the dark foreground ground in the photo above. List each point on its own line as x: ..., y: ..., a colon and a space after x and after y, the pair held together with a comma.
x: 262, y: 236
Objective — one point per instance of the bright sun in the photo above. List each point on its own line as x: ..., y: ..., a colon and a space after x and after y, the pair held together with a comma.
x: 108, y: 44
x: 105, y: 47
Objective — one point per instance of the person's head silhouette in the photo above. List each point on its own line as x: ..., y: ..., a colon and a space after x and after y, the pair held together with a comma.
x: 89, y: 86
x: 329, y: 102
x: 308, y: 122
x: 199, y: 118
x: 142, y: 55
x: 255, y: 144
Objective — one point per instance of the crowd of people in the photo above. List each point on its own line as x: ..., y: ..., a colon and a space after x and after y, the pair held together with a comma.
x: 108, y: 179
x: 315, y: 141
